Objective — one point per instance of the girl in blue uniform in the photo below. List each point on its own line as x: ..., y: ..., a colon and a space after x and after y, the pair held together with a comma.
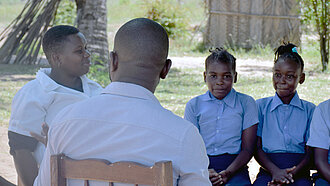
x: 284, y: 121
x: 226, y: 120
x: 320, y: 141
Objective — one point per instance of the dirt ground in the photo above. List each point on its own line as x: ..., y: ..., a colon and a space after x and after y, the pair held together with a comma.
x: 249, y: 67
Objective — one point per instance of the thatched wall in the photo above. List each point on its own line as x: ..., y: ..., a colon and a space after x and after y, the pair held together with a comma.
x: 245, y: 23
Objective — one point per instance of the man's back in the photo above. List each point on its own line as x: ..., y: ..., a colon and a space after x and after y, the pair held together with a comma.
x: 134, y: 128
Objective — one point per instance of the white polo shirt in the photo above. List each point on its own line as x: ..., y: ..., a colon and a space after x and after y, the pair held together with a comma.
x: 127, y: 123
x: 40, y: 100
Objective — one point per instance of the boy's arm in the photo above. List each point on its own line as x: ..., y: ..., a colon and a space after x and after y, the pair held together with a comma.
x: 321, y: 162
x: 26, y: 166
x: 21, y: 148
x: 278, y: 175
x: 247, y: 149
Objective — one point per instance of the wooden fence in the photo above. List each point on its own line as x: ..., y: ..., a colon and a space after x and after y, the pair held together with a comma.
x: 245, y: 23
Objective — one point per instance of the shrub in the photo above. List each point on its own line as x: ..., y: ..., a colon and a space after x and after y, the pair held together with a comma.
x: 169, y: 14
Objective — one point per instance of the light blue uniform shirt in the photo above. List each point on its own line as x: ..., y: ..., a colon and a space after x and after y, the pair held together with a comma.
x: 221, y: 122
x: 320, y: 127
x: 284, y: 128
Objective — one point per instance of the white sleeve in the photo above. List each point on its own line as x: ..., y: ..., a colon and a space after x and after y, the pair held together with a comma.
x: 193, y: 162
x: 28, y: 112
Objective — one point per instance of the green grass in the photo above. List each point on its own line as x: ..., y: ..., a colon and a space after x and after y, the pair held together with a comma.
x: 12, y: 78
x: 9, y: 10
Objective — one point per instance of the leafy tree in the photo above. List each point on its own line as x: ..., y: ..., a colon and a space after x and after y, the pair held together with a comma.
x: 318, y: 13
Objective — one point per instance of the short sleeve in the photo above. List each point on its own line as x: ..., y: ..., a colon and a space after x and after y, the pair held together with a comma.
x: 27, y: 113
x: 250, y: 116
x: 311, y: 108
x: 189, y: 113
x: 196, y: 173
x: 260, y: 117
x: 319, y: 130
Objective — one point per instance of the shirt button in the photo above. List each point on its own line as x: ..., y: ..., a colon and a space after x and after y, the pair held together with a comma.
x: 218, y: 117
x: 285, y: 127
x: 215, y: 149
x: 217, y: 131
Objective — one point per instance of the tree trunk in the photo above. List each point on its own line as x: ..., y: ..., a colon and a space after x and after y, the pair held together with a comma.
x: 92, y: 22
x: 324, y: 53
x: 321, y: 19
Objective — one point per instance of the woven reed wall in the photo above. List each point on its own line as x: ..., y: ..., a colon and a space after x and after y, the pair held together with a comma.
x: 245, y: 23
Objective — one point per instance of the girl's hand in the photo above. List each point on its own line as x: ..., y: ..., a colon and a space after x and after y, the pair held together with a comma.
x: 214, y: 177
x: 282, y: 176
x: 224, y: 177
x: 271, y: 183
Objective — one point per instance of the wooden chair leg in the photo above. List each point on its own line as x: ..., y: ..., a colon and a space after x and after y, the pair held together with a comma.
x: 19, y: 182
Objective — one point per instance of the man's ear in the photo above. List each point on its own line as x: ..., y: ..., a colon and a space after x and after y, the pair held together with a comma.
x: 113, y: 64
x: 113, y: 61
x: 166, y: 69
x: 302, y: 78
x: 235, y: 77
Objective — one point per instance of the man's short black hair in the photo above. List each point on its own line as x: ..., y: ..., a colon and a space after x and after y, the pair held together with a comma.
x: 55, y: 36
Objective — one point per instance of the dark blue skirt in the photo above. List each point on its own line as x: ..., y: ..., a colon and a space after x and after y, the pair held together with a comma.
x: 319, y: 180
x: 282, y: 161
x: 221, y: 162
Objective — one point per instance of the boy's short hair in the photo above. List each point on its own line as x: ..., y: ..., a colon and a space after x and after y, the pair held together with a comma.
x: 220, y: 55
x: 289, y: 51
x: 55, y: 36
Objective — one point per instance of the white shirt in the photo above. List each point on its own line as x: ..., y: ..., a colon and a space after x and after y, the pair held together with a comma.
x: 40, y: 100
x: 127, y: 123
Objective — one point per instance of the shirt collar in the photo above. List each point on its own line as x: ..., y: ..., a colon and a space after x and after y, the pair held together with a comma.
x: 229, y: 100
x: 49, y: 84
x: 129, y: 90
x: 294, y: 102
x: 46, y: 82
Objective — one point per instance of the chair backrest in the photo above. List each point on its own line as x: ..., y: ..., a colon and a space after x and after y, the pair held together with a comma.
x: 63, y: 168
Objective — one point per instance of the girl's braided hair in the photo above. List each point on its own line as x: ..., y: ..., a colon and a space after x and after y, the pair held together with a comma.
x: 289, y: 51
x: 221, y: 55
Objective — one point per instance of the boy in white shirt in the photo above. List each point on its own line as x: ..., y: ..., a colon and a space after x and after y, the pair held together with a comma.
x: 41, y: 99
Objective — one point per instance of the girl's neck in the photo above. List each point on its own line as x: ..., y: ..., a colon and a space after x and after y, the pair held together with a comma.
x: 66, y: 80
x: 287, y: 99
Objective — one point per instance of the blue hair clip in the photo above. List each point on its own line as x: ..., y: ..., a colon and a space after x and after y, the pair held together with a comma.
x: 294, y: 49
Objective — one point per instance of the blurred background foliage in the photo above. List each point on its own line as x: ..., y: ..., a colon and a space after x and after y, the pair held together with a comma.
x: 66, y: 13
